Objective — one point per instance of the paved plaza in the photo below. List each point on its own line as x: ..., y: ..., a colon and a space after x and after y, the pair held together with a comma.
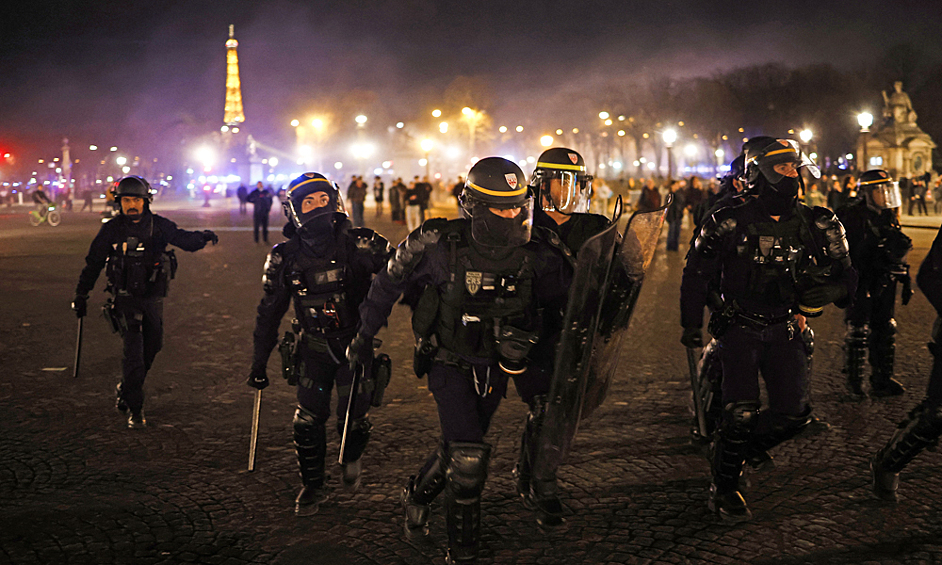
x: 76, y: 486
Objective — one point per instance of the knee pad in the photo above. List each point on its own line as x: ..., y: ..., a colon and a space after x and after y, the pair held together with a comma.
x: 467, y: 470
x: 740, y: 418
x: 308, y: 428
x: 857, y: 335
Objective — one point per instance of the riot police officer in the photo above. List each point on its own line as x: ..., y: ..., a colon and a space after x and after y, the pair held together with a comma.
x: 133, y: 245
x: 563, y: 191
x: 481, y: 283
x: 923, y: 426
x: 878, y: 249
x: 326, y: 267
x: 775, y: 258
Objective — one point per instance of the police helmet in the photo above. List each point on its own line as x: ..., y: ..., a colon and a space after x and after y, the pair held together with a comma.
x: 880, y: 190
x: 763, y: 153
x: 499, y: 203
x: 133, y: 185
x: 573, y: 192
x: 303, y: 187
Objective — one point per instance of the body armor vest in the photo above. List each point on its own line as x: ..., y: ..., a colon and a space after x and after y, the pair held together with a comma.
x: 484, y: 299
x: 136, y: 268
x: 777, y: 254
x: 321, y: 295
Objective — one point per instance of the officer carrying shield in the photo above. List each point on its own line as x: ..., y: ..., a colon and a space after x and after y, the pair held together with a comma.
x: 774, y: 258
x: 563, y: 192
x: 133, y: 246
x: 878, y: 249
x: 923, y: 426
x: 482, y: 282
x: 326, y: 267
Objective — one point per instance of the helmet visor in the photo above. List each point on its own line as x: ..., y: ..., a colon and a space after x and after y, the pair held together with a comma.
x: 789, y: 153
x: 565, y: 191
x: 502, y: 227
x: 884, y: 196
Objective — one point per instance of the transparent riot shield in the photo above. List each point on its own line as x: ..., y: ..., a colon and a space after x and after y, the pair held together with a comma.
x: 626, y: 275
x: 608, y: 276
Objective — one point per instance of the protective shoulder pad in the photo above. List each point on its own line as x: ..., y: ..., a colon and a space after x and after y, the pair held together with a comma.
x: 719, y: 225
x: 834, y: 233
x: 366, y: 239
x: 413, y: 248
x: 542, y: 233
x: 274, y: 266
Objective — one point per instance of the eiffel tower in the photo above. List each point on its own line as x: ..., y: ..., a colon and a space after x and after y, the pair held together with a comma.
x: 233, y: 114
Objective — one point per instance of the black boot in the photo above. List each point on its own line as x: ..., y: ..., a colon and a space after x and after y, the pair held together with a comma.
x: 882, y: 361
x: 421, y: 490
x: 855, y: 351
x: 544, y: 498
x: 136, y: 420
x: 729, y: 454
x: 464, y: 479
x: 772, y: 430
x: 357, y: 438
x: 119, y: 403
x: 310, y: 443
x: 531, y: 430
x: 918, y: 431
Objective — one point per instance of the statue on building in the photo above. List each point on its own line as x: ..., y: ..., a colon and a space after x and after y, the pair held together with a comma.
x: 898, y: 107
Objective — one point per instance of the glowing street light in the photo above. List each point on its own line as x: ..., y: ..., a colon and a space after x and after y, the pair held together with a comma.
x: 318, y: 123
x: 603, y: 115
x: 519, y: 129
x: 502, y: 129
x: 865, y: 119
x: 93, y: 148
x: 436, y: 113
x: 669, y: 136
x: 690, y: 150
x: 121, y: 161
x: 295, y: 123
x: 360, y: 120
x: 546, y: 140
x: 805, y: 135
x: 443, y: 127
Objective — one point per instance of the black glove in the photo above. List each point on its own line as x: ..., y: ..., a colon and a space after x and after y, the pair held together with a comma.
x: 692, y: 338
x: 209, y: 235
x: 80, y: 305
x: 257, y: 379
x: 360, y: 352
x: 821, y: 295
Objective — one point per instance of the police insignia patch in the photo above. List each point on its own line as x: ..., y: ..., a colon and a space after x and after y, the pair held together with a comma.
x: 472, y: 281
x: 574, y: 158
x: 766, y: 242
x: 511, y: 179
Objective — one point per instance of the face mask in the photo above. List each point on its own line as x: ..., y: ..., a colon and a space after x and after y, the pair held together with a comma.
x: 317, y: 230
x: 788, y: 186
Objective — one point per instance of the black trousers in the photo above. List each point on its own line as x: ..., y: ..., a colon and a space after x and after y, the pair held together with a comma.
x: 466, y: 400
x: 143, y: 338
x: 321, y: 372
x: 260, y: 222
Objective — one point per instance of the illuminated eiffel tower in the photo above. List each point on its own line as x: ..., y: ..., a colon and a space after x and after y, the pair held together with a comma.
x: 233, y: 115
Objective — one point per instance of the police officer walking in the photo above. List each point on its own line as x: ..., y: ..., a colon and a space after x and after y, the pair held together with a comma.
x: 133, y: 245
x: 923, y: 426
x: 325, y: 267
x: 774, y: 258
x: 481, y: 283
x: 878, y: 249
x: 563, y: 190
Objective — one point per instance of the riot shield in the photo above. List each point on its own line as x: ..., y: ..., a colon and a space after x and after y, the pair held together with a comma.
x: 630, y: 262
x: 607, y: 278
x: 564, y: 402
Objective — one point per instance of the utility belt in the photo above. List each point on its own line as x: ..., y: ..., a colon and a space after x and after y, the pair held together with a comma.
x: 480, y: 378
x: 730, y: 313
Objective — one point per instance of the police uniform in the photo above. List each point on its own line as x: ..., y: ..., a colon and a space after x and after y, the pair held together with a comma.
x: 769, y: 270
x: 923, y: 426
x: 325, y: 268
x: 572, y: 199
x: 139, y: 268
x: 483, y: 283
x: 878, y: 249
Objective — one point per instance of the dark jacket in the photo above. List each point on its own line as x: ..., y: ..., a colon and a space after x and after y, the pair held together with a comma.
x: 262, y: 200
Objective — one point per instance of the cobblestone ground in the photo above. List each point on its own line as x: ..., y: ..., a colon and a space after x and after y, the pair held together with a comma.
x: 77, y: 487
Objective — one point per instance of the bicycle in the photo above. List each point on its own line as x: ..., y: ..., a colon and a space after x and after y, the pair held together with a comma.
x: 48, y: 214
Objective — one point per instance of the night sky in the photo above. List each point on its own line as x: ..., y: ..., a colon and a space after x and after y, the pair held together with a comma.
x: 127, y: 72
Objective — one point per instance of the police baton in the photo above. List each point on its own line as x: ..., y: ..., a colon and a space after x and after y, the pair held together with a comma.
x: 78, y: 347
x: 354, y: 387
x: 253, y: 438
x: 695, y: 386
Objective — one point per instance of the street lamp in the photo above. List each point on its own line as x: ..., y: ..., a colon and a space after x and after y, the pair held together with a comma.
x: 865, y: 119
x: 546, y: 140
x: 426, y: 145
x: 669, y: 136
x: 805, y: 135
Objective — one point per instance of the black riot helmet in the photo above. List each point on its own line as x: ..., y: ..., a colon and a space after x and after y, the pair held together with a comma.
x: 324, y: 206
x: 499, y: 203
x: 133, y: 185
x: 881, y: 192
x: 763, y: 153
x: 573, y: 192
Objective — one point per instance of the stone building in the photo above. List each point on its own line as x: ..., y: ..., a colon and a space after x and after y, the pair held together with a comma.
x: 896, y: 143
